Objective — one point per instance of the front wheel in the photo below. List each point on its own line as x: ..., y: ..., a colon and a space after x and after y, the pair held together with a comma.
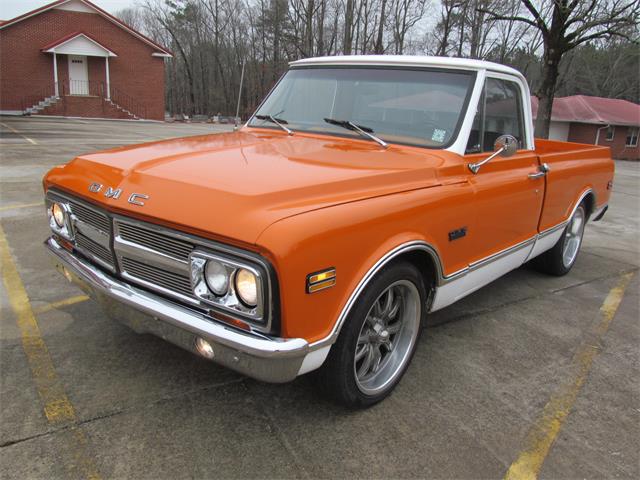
x: 378, y: 339
x: 559, y: 260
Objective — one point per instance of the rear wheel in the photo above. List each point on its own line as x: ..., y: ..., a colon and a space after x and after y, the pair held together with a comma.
x: 559, y: 260
x: 378, y: 339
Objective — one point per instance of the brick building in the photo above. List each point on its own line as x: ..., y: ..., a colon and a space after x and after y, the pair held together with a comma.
x: 599, y: 121
x: 72, y: 58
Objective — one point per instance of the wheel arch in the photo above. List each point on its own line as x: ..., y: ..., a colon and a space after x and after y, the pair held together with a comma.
x: 589, y: 200
x: 419, y: 253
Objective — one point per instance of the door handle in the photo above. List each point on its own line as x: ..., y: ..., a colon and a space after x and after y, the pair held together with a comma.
x: 542, y: 171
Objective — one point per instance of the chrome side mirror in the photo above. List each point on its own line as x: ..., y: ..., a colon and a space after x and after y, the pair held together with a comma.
x: 505, y: 146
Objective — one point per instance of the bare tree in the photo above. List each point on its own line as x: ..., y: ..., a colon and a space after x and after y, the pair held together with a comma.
x: 212, y: 39
x: 446, y: 25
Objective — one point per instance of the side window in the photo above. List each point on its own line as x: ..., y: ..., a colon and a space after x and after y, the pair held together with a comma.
x: 473, y: 144
x: 499, y: 113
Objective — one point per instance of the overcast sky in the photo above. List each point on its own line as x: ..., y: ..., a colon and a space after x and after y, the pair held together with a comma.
x: 12, y: 8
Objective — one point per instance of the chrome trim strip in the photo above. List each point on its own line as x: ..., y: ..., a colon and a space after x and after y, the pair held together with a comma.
x: 441, y: 279
x: 497, y: 256
x: 404, y: 248
x: 176, y: 314
x: 554, y: 229
x: 487, y: 260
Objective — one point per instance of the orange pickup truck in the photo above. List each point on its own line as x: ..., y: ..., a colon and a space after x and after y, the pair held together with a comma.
x: 363, y: 194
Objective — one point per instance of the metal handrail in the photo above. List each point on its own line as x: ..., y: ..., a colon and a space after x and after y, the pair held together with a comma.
x: 87, y: 88
x: 128, y: 102
x: 42, y: 94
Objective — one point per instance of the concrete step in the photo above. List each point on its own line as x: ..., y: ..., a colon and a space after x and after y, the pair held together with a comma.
x: 84, y: 106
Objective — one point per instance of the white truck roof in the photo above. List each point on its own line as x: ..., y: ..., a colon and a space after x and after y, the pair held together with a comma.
x: 408, y: 61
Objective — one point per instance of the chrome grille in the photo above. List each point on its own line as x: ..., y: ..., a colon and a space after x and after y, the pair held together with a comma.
x: 153, y: 257
x: 91, y: 230
x: 157, y: 276
x: 157, y: 241
x: 85, y: 243
x: 91, y: 216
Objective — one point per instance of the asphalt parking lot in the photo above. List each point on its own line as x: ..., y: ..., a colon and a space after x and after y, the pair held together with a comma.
x: 530, y: 370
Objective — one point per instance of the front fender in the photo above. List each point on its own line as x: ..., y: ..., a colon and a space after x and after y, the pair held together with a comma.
x: 352, y: 238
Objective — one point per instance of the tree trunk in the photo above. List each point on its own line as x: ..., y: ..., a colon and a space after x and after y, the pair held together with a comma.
x: 546, y: 92
x: 323, y: 11
x: 476, y: 32
x: 379, y: 48
x: 309, y: 28
x: 348, y: 28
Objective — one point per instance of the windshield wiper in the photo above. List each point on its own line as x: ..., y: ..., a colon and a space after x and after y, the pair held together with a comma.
x: 278, y: 121
x: 361, y: 129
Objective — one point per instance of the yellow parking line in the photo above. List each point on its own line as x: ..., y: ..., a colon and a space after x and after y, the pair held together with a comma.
x: 545, y: 430
x: 60, y: 303
x: 23, y: 205
x: 57, y: 407
x: 10, y: 128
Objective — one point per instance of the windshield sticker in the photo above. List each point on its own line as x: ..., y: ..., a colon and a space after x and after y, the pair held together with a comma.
x: 438, y: 135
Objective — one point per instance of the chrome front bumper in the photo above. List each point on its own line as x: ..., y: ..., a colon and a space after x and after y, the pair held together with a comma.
x: 263, y: 358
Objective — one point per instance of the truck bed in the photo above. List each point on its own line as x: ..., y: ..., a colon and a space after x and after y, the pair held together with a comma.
x: 546, y: 147
x: 575, y: 169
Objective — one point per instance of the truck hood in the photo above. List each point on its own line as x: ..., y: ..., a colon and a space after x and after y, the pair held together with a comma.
x: 235, y: 185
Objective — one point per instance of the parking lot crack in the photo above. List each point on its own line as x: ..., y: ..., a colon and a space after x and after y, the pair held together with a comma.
x: 114, y: 413
x: 284, y: 441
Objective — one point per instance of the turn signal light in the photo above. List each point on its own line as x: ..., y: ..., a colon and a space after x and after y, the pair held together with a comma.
x: 321, y: 280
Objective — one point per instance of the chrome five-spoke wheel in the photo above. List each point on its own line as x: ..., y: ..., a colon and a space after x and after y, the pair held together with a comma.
x: 387, y: 336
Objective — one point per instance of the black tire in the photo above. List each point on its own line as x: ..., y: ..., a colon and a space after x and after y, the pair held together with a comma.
x: 555, y: 261
x: 337, y: 379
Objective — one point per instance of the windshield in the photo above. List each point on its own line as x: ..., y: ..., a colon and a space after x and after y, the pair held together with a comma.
x: 414, y: 107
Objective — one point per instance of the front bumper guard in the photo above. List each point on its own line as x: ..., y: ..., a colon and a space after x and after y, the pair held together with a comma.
x: 264, y: 358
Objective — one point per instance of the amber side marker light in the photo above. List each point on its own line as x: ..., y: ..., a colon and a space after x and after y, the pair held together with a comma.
x: 320, y: 280
x: 230, y: 320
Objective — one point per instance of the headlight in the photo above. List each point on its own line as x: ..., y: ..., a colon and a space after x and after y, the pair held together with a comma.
x: 236, y: 285
x: 59, y: 218
x: 217, y: 277
x: 58, y: 214
x: 247, y: 287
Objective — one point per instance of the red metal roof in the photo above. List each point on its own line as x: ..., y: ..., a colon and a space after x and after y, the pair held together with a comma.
x: 596, y: 110
x: 108, y: 16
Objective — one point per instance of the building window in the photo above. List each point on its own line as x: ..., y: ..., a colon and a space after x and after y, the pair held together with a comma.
x: 611, y: 131
x: 632, y: 137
